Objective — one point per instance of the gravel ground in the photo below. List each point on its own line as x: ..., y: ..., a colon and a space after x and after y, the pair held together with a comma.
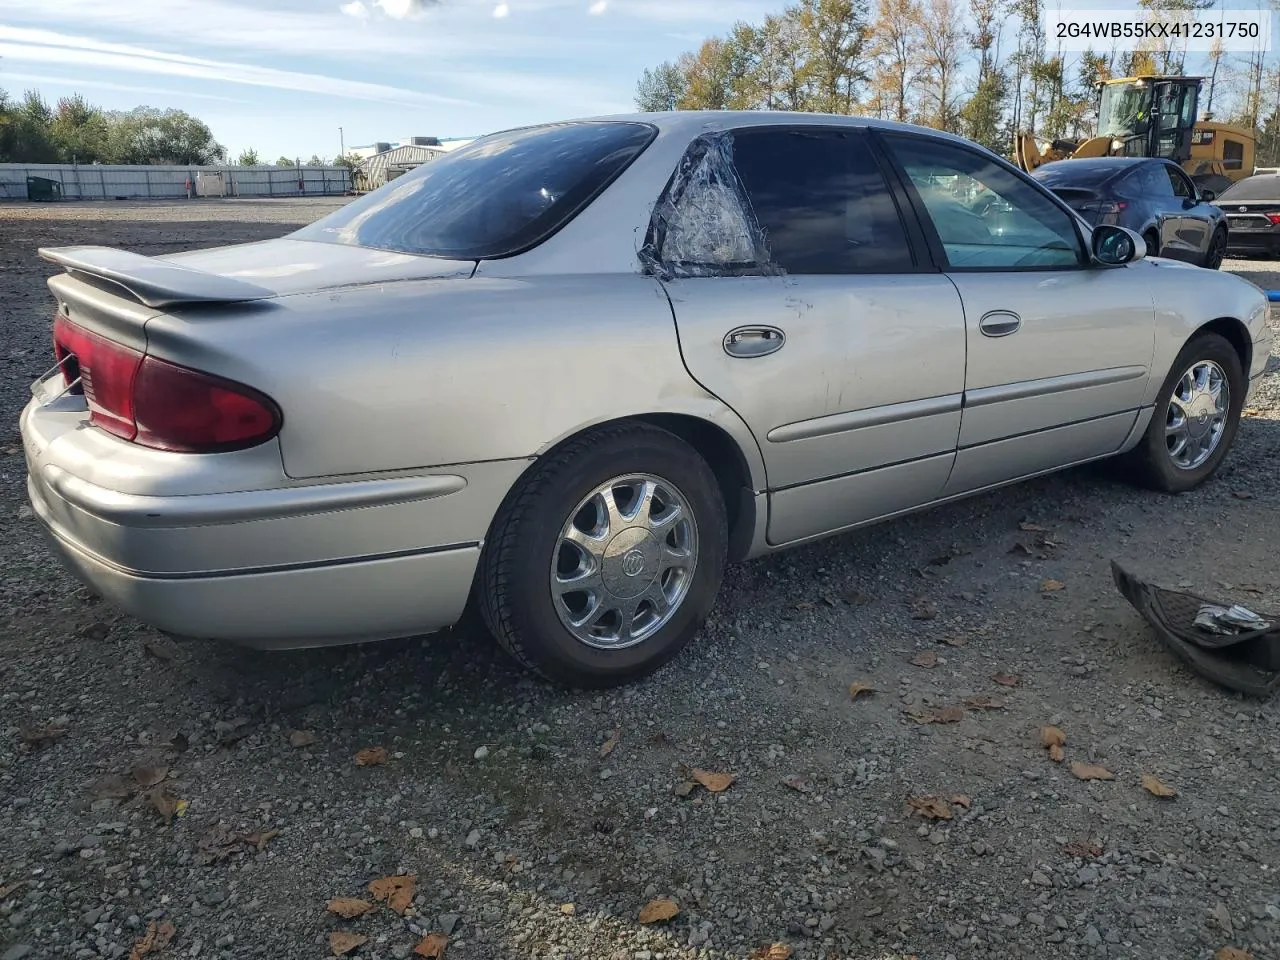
x: 538, y: 823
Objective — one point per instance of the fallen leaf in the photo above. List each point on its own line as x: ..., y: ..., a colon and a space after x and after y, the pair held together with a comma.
x: 936, y: 714
x: 858, y: 687
x: 1032, y: 528
x: 686, y: 788
x: 656, y: 911
x: 923, y: 611
x: 955, y: 641
x: 962, y: 800
x: 714, y: 782
x: 773, y: 951
x: 342, y: 942
x: 1242, y: 495
x: 397, y: 891
x: 1251, y: 412
x: 303, y: 738
x: 1156, y: 788
x: 1232, y: 953
x: 1020, y: 550
x: 1090, y: 771
x: 798, y: 783
x: 40, y: 736
x: 372, y: 757
x: 1051, y: 586
x: 931, y: 808
x: 112, y: 786
x: 925, y: 658
x: 1007, y: 679
x: 1053, y: 736
x: 157, y: 650
x: 1056, y: 753
x: 349, y: 907
x: 9, y: 888
x: 1084, y: 849
x: 804, y: 605
x: 165, y: 801
x: 157, y: 937
x: 568, y: 909
x: 984, y: 701
x: 432, y: 946
x: 609, y: 745
x: 147, y: 777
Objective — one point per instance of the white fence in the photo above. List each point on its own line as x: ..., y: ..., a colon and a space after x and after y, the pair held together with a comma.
x: 118, y: 182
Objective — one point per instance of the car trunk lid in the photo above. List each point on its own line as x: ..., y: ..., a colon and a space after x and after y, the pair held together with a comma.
x: 1251, y: 215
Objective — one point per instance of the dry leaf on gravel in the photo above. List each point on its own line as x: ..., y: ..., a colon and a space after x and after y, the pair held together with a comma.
x: 858, y: 687
x: 432, y: 946
x: 1053, y: 736
x: 936, y: 714
x: 372, y: 757
x: 962, y: 800
x: 774, y: 951
x: 926, y: 658
x: 342, y: 942
x: 984, y: 701
x: 10, y: 888
x: 931, y: 808
x: 157, y: 650
x: 1032, y: 528
x: 656, y: 911
x: 1242, y: 495
x: 397, y: 891
x: 1007, y: 679
x: 1090, y: 771
x: 302, y: 738
x: 1020, y: 550
x: 1156, y: 788
x: 1232, y: 953
x: 1056, y: 753
x: 112, y: 786
x: 157, y: 937
x: 348, y: 907
x: 165, y: 801
x: 685, y: 788
x: 1084, y: 849
x: 714, y: 782
x: 147, y: 777
x: 955, y: 641
x: 923, y: 611
x: 222, y: 842
x: 40, y: 736
x: 1051, y: 586
x: 610, y: 745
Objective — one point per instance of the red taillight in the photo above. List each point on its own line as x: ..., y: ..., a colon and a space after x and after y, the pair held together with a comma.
x: 1103, y: 206
x: 1274, y: 217
x: 160, y: 404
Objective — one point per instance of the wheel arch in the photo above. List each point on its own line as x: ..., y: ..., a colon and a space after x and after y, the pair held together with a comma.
x: 1235, y: 333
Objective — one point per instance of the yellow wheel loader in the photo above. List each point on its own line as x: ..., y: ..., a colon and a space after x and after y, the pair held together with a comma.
x: 1154, y: 116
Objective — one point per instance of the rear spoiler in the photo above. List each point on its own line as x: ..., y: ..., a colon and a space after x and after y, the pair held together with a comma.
x: 155, y: 283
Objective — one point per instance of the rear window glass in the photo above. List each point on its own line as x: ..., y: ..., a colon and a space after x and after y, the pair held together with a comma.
x: 492, y: 198
x: 1264, y: 187
x: 1087, y: 175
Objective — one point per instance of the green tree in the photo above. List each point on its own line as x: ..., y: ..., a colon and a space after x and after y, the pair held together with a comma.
x: 149, y: 135
x: 897, y: 56
x: 662, y: 88
x: 316, y: 161
x: 942, y: 46
x: 286, y: 162
x: 32, y: 122
x: 835, y: 33
x: 249, y: 158
x: 80, y: 131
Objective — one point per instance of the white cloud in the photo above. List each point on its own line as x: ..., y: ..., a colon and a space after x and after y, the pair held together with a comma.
x: 82, y: 83
x: 355, y: 9
x: 599, y: 7
x: 44, y: 46
x: 501, y: 10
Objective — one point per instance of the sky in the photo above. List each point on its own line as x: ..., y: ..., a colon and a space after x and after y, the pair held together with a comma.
x: 281, y: 76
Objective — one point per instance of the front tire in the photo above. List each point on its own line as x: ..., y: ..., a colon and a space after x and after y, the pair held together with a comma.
x: 1195, y: 420
x: 606, y: 560
x: 1217, y: 250
x: 1153, y: 243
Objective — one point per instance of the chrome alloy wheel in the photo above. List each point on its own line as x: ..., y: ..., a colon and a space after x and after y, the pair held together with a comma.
x: 624, y: 561
x: 1197, y: 414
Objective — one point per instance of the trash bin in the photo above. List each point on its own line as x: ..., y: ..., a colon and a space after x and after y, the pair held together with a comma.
x: 43, y: 189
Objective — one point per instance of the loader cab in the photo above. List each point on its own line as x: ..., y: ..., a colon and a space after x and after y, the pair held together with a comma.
x: 1149, y: 116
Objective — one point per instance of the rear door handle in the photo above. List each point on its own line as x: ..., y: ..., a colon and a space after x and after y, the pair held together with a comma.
x: 999, y: 323
x: 747, y: 342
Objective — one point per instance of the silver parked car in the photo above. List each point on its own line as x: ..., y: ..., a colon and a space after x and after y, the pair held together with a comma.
x: 569, y: 371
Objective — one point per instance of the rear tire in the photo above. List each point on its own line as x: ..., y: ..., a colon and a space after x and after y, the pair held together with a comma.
x: 606, y: 559
x: 1153, y: 243
x: 1188, y: 437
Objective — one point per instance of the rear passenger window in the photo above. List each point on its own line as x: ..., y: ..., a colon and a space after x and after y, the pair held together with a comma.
x: 821, y: 202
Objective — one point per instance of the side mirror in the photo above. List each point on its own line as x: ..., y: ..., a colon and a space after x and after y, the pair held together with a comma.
x: 1207, y: 196
x: 1115, y: 246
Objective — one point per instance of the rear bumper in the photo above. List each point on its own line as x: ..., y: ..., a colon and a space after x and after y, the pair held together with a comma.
x: 289, y: 565
x: 1247, y: 242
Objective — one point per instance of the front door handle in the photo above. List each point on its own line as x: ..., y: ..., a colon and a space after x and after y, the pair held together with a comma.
x: 999, y: 323
x: 747, y: 342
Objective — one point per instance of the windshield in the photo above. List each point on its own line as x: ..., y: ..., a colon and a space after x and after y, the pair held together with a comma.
x: 1253, y: 188
x: 492, y: 198
x: 1124, y: 110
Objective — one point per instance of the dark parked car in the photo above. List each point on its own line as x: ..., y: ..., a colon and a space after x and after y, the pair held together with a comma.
x: 1252, y: 207
x: 1148, y: 195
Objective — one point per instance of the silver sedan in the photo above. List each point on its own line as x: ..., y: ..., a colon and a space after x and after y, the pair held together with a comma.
x: 569, y: 371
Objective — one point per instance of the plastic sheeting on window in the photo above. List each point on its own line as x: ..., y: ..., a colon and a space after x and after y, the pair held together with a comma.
x: 703, y: 226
